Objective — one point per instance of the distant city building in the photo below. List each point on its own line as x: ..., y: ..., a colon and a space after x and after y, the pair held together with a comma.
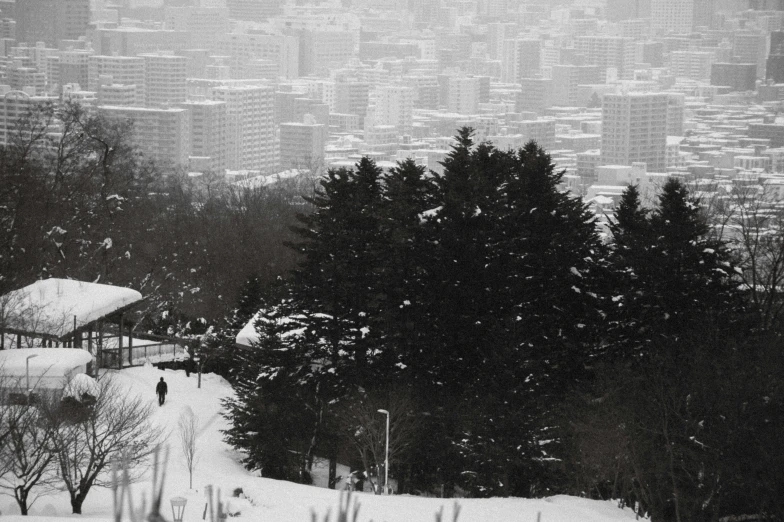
x: 775, y: 63
x: 164, y: 79
x: 634, y: 129
x: 535, y: 95
x: 463, y: 97
x: 736, y: 76
x: 242, y: 49
x: 253, y: 10
x: 608, y: 52
x: 120, y: 71
x: 14, y: 105
x: 750, y: 47
x: 161, y: 134
x: 628, y: 9
x: 694, y: 65
x: 208, y: 129
x: 672, y: 16
x: 250, y: 128
x: 51, y: 20
x: 392, y: 105
x: 567, y: 78
x: 302, y: 145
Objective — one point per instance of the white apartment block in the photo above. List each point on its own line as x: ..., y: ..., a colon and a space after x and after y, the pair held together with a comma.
x: 127, y: 71
x: 541, y: 130
x: 14, y: 105
x: 694, y: 65
x: 608, y: 52
x: 463, y: 96
x: 672, y: 16
x: 243, y: 48
x: 110, y: 93
x: 676, y: 107
x: 164, y: 79
x: 161, y: 134
x: 392, y: 105
x: 776, y: 159
x: 634, y: 129
x: 250, y: 127
x: 302, y: 145
x: 208, y: 129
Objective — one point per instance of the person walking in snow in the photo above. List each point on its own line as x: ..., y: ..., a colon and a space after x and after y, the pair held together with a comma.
x: 162, y: 389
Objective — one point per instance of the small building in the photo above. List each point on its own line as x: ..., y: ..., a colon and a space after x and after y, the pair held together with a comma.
x: 65, y: 313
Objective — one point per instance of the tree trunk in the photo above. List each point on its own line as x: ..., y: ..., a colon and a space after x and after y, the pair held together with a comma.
x: 76, y: 504
x: 20, y: 495
x: 333, y: 472
x: 315, y: 437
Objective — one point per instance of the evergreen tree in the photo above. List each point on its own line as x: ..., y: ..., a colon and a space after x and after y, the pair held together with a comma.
x: 671, y: 272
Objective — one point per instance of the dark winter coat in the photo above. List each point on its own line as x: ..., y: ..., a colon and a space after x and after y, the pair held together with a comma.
x: 162, y: 388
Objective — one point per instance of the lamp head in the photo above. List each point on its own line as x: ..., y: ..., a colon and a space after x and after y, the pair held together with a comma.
x: 385, y: 412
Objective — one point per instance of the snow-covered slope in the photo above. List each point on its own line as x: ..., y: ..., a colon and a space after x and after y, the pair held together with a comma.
x: 278, y: 501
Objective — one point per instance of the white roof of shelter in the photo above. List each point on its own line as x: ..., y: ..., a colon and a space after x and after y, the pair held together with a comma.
x: 57, y: 307
x: 47, y: 361
x: 248, y: 335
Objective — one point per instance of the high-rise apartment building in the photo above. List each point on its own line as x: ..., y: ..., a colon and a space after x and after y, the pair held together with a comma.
x: 321, y: 51
x: 497, y: 33
x: 392, y: 105
x: 253, y: 10
x: 351, y: 97
x: 535, y: 95
x: 74, y: 67
x: 51, y: 20
x: 627, y: 9
x: 109, y: 93
x: 672, y: 16
x: 164, y: 79
x: 750, y: 47
x: 463, y: 96
x: 608, y: 52
x: 243, y: 48
x: 775, y: 64
x: 161, y: 134
x: 520, y: 59
x: 250, y: 128
x: 567, y: 78
x: 125, y: 71
x: 208, y: 128
x: 676, y: 112
x: 736, y: 76
x: 694, y: 65
x: 634, y: 129
x: 209, y: 23
x: 302, y: 145
x: 14, y: 105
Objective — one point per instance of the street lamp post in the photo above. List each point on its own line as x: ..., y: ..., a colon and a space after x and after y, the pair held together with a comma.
x: 27, y: 373
x: 386, y: 457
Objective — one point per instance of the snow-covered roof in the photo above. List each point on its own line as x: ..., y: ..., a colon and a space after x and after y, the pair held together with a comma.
x: 248, y: 335
x: 52, y: 362
x: 48, y: 307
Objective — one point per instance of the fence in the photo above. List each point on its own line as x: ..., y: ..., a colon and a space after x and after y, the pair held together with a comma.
x: 152, y: 352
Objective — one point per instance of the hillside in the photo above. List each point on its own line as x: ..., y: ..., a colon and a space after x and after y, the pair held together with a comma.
x: 279, y: 501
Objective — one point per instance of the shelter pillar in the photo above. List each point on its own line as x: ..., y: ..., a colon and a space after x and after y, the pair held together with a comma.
x: 120, y: 342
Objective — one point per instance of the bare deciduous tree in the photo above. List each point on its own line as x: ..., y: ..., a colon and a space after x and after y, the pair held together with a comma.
x: 365, y: 428
x: 189, y: 426
x: 752, y: 222
x: 27, y: 462
x: 117, y: 426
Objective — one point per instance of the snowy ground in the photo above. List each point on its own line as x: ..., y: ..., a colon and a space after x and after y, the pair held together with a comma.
x: 278, y: 501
